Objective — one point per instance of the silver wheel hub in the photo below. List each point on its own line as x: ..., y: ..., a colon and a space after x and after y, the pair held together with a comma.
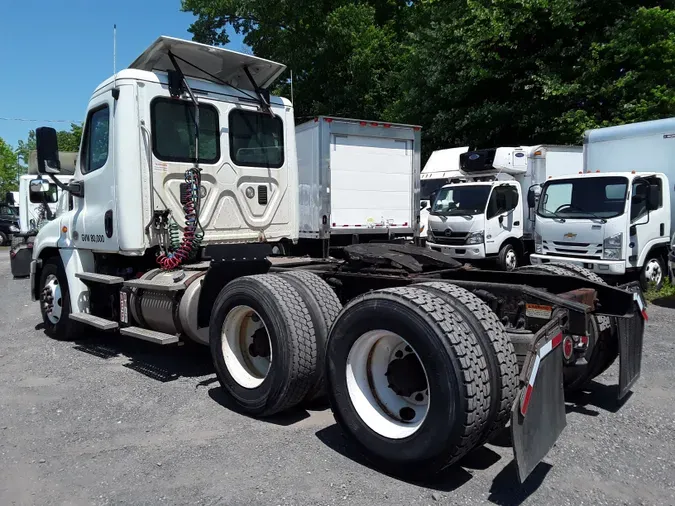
x: 246, y: 346
x: 51, y: 300
x: 653, y: 272
x: 511, y: 260
x: 387, y: 384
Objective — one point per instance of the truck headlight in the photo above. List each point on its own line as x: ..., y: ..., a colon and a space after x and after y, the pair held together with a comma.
x: 475, y: 238
x: 612, y: 247
x: 538, y: 244
x: 14, y: 228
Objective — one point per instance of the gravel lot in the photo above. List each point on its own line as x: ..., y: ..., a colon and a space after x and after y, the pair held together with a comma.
x: 110, y: 420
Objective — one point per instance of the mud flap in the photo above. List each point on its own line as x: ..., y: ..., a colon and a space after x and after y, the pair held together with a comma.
x: 630, y: 332
x: 538, y: 414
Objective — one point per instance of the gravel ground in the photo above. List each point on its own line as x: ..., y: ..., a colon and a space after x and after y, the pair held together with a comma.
x: 110, y: 420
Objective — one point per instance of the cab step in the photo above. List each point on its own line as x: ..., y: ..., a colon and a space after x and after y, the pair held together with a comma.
x: 160, y: 285
x: 103, y: 279
x: 94, y: 321
x: 149, y: 335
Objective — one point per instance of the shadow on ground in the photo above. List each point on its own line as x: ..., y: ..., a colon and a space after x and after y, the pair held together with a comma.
x: 159, y: 363
x: 595, y: 395
x: 667, y: 302
x: 288, y: 417
x: 505, y: 489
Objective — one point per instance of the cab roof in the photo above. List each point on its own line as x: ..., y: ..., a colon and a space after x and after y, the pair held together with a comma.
x: 202, y: 61
x: 603, y: 174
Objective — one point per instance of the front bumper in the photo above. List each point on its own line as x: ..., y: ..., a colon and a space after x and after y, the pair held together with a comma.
x: 602, y: 267
x: 467, y: 251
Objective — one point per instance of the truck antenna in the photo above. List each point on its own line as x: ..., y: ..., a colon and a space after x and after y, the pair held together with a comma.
x: 115, y: 90
x: 292, y: 101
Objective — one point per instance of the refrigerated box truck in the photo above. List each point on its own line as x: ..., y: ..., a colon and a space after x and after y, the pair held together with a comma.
x: 358, y: 180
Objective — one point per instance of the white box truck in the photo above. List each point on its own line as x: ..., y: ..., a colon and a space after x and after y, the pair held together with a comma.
x: 419, y: 369
x: 487, y: 217
x: 616, y: 217
x: 358, y: 180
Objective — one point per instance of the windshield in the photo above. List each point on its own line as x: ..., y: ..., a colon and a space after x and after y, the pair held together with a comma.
x: 583, y: 198
x: 461, y: 200
x: 429, y: 186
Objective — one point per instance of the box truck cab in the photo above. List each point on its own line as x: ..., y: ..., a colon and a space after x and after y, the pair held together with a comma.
x: 441, y: 168
x: 610, y: 223
x: 488, y: 217
x: 617, y: 217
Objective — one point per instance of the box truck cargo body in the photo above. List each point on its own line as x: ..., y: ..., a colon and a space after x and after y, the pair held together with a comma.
x: 357, y: 178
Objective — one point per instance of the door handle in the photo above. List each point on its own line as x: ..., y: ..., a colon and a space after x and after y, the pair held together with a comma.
x: 516, y: 223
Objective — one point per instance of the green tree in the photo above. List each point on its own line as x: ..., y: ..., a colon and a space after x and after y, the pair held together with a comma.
x: 344, y: 55
x: 477, y: 72
x: 9, y: 169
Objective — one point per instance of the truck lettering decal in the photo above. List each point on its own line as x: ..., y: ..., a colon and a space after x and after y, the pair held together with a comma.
x: 93, y: 238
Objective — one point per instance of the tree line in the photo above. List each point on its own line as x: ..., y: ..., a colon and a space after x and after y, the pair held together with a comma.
x: 470, y: 72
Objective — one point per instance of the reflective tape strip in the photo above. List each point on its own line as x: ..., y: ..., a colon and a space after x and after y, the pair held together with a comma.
x: 543, y: 351
x: 641, y: 305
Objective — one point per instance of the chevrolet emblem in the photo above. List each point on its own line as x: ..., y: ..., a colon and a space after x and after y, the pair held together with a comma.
x: 569, y: 235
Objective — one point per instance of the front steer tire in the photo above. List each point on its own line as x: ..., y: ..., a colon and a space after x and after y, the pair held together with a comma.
x: 288, y: 323
x: 64, y: 329
x: 457, y: 375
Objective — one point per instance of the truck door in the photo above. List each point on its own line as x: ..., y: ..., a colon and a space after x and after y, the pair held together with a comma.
x: 503, y: 217
x: 95, y: 221
x: 644, y: 226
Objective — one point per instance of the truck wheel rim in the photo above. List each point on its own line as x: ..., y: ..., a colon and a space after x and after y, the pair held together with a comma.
x: 511, y: 260
x: 653, y: 272
x: 387, y: 384
x: 51, y: 299
x: 246, y: 346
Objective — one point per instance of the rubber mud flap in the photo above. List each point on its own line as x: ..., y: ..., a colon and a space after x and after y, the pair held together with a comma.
x: 631, y: 332
x: 538, y: 414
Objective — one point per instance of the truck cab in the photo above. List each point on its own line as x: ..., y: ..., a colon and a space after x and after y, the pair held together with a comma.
x: 185, y: 148
x: 483, y: 218
x: 610, y: 223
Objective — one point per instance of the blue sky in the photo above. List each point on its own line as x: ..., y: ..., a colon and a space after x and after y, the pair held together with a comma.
x: 53, y: 53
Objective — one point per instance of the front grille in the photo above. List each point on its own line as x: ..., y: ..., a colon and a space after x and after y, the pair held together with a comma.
x: 454, y: 239
x: 574, y: 249
x: 573, y: 244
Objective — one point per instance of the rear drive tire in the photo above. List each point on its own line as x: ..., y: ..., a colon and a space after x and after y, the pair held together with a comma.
x: 262, y: 344
x: 55, y: 302
x: 407, y: 380
x: 508, y: 259
x: 3, y: 239
x: 324, y: 307
x: 653, y: 274
x: 497, y: 349
x: 603, y: 344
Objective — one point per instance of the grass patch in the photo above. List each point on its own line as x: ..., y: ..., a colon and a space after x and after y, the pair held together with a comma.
x: 667, y: 291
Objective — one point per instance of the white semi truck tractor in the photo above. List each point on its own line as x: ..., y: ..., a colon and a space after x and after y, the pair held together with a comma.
x: 186, y: 179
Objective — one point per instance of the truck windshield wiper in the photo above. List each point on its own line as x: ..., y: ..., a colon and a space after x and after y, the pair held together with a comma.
x: 602, y: 220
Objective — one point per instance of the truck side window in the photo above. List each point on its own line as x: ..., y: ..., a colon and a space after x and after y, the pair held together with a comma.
x: 96, y: 140
x: 638, y: 201
x: 256, y: 139
x: 173, y: 131
x: 502, y: 200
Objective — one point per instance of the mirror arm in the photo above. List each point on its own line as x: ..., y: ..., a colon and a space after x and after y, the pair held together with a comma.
x: 75, y: 188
